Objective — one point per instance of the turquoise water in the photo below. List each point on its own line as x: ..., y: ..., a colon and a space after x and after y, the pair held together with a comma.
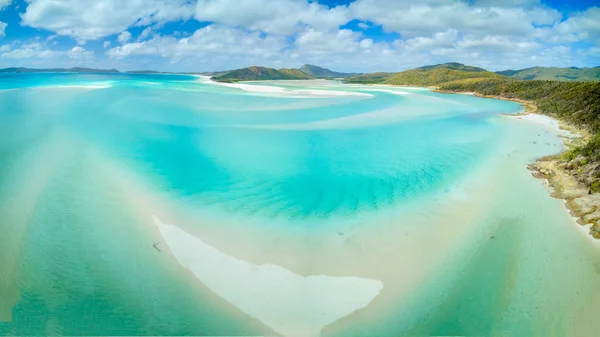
x: 79, y: 151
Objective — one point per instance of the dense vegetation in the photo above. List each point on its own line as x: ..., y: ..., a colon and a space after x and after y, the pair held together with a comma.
x: 320, y: 72
x: 306, y: 72
x: 575, y: 102
x: 261, y: 74
x: 373, y: 78
x: 425, y: 76
x: 454, y: 66
x: 435, y: 76
x: 557, y: 74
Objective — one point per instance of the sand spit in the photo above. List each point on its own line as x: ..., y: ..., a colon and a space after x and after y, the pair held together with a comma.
x: 76, y: 86
x: 269, y: 89
x: 399, y: 93
x: 288, y: 303
x: 547, y: 122
x: 364, y: 120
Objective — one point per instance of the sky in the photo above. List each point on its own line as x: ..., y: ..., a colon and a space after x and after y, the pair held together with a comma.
x: 344, y: 35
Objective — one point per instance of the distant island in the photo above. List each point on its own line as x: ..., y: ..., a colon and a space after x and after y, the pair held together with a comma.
x: 306, y: 72
x: 430, y: 75
x: 555, y: 74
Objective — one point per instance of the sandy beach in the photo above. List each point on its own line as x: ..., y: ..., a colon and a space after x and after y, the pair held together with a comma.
x: 267, y: 89
x: 547, y: 122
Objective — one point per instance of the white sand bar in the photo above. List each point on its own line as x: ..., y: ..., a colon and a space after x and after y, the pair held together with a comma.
x: 288, y: 303
x: 273, y: 89
x: 545, y: 121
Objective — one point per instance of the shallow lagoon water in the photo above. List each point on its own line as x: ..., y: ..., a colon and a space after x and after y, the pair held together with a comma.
x: 425, y: 192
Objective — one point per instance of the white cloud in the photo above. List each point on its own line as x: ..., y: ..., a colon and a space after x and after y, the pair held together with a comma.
x: 318, y: 42
x: 213, y: 40
x: 4, y: 48
x: 495, y: 44
x: 592, y: 51
x: 146, y: 33
x: 445, y: 39
x: 580, y: 26
x: 413, y: 19
x: 38, y: 51
x: 124, y: 37
x: 494, y: 34
x: 78, y: 53
x: 3, y: 29
x: 94, y: 19
x: 276, y: 17
x: 31, y: 50
x: 4, y: 4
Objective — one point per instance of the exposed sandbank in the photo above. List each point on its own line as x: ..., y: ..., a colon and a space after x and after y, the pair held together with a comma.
x: 401, y: 250
x: 290, y: 304
x: 75, y: 86
x: 547, y: 122
x: 266, y: 89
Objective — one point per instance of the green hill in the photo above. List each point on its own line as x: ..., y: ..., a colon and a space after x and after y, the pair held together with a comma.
x: 319, y: 72
x: 454, y: 66
x: 306, y: 72
x: 424, y: 76
x: 556, y: 74
x: 372, y: 78
x: 435, y: 76
x: 296, y: 73
x: 260, y: 74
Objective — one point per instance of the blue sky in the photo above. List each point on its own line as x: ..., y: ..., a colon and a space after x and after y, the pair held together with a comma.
x: 345, y: 35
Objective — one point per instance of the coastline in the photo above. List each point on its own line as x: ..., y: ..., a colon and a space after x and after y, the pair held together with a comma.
x: 529, y: 107
x: 580, y: 203
x: 279, y: 91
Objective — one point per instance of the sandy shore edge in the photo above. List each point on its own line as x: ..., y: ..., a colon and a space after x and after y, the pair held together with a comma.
x: 582, y: 205
x: 273, y: 89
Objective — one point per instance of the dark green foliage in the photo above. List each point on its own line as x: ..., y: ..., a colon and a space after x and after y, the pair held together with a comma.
x: 373, y: 78
x: 454, y: 66
x: 578, y: 103
x: 424, y: 76
x: 435, y: 76
x: 320, y: 72
x: 556, y: 74
x: 306, y: 72
x: 260, y: 74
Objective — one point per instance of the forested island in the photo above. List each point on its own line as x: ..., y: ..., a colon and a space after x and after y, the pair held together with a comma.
x: 306, y: 72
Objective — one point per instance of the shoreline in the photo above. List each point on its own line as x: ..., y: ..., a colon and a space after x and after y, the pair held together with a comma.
x: 272, y: 89
x: 580, y: 203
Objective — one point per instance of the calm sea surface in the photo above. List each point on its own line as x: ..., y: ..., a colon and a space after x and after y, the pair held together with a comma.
x: 426, y: 192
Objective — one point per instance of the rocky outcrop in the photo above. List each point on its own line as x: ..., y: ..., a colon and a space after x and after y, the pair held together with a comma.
x: 595, y: 230
x: 579, y: 200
